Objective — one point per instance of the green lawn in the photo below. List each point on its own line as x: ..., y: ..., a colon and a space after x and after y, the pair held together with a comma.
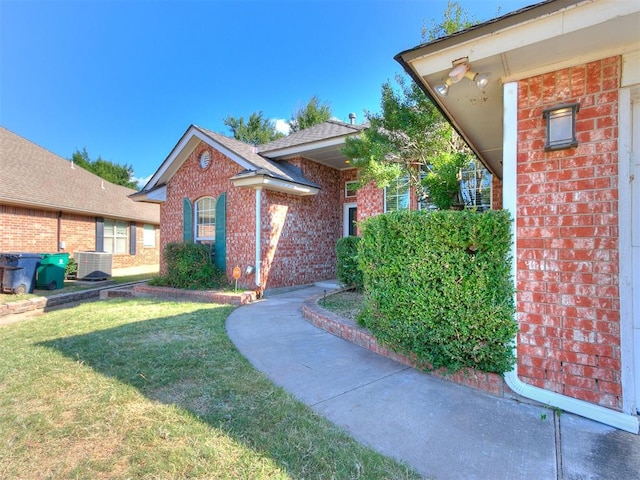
x: 139, y: 388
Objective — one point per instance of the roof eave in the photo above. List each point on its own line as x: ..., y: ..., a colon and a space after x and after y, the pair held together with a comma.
x: 76, y: 211
x: 157, y: 195
x: 519, y: 45
x: 267, y: 182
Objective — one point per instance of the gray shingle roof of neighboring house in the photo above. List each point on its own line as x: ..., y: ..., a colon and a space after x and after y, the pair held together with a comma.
x: 323, y: 131
x: 34, y: 177
x: 263, y: 166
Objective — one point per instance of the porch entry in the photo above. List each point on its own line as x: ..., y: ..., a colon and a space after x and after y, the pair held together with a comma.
x: 350, y: 216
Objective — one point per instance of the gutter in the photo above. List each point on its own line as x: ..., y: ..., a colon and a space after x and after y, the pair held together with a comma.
x: 623, y: 421
x: 258, y: 280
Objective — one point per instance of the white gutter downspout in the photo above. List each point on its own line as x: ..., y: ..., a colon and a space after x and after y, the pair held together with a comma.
x: 258, y: 235
x: 629, y: 423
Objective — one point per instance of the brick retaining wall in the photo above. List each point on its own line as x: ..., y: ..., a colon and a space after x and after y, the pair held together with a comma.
x: 354, y: 333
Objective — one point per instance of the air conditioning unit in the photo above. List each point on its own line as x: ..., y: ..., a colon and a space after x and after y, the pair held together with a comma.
x: 93, y: 265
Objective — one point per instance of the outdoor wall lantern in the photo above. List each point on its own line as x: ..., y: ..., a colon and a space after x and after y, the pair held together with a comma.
x: 249, y: 270
x: 561, y: 126
x: 461, y: 69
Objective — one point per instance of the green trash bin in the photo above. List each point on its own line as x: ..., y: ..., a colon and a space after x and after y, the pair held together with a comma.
x: 50, y: 273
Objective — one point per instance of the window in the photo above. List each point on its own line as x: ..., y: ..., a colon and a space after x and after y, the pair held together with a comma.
x: 475, y: 186
x: 396, y: 195
x: 115, y: 236
x: 350, y: 189
x: 205, y: 220
x: 149, y: 236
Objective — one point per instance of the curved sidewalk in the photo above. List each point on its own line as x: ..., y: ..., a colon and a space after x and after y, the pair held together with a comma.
x: 443, y: 430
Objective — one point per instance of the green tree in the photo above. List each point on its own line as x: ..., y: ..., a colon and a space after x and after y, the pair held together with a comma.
x: 313, y: 113
x: 454, y: 19
x: 410, y: 137
x: 110, y: 171
x: 255, y: 131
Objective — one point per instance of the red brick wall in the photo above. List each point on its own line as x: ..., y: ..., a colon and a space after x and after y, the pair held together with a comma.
x: 191, y: 182
x: 567, y: 237
x: 299, y: 234
x: 36, y: 231
x: 370, y: 201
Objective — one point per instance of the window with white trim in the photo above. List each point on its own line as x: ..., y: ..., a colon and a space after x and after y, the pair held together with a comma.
x: 149, y: 236
x: 475, y: 186
x: 351, y: 189
x: 205, y: 220
x: 396, y: 195
x: 115, y: 236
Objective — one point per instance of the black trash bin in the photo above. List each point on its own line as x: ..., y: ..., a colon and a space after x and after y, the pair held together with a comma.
x: 18, y: 272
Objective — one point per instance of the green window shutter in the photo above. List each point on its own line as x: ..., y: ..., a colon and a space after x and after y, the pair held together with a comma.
x: 220, y: 256
x: 187, y: 220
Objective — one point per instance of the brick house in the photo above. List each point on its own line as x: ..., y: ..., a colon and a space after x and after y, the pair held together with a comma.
x: 48, y: 205
x: 280, y: 206
x: 573, y: 196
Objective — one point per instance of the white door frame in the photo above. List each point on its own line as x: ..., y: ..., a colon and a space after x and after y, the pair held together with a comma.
x: 629, y: 245
x: 345, y: 217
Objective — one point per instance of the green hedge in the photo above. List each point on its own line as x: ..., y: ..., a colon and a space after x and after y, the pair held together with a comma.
x: 438, y: 285
x: 348, y: 271
x: 189, y: 266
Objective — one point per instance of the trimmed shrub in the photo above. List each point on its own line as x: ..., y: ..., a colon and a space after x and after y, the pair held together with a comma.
x: 71, y: 270
x: 438, y: 285
x: 189, y: 266
x: 348, y: 271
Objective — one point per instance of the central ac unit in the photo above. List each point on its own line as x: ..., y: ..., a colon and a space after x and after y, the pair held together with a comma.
x: 93, y: 265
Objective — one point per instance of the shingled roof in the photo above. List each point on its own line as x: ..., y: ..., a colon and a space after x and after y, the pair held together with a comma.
x: 316, y: 133
x: 259, y: 164
x: 34, y: 177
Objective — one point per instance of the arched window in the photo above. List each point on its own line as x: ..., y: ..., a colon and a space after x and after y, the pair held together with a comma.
x: 205, y: 220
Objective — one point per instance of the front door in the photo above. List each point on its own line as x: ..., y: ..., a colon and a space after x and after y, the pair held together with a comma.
x: 350, y: 213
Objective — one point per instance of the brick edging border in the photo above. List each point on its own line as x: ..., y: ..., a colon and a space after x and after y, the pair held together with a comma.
x: 42, y: 303
x: 211, y: 296
x: 352, y: 332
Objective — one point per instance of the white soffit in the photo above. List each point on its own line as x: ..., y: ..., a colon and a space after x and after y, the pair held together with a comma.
x: 268, y: 183
x: 533, y: 33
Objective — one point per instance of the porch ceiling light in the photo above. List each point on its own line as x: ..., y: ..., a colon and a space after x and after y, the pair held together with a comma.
x: 461, y: 69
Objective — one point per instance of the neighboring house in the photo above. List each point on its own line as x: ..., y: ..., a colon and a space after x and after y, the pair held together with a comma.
x: 50, y: 205
x: 575, y: 200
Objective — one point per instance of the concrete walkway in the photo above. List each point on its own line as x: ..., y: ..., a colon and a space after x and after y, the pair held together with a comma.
x: 443, y: 430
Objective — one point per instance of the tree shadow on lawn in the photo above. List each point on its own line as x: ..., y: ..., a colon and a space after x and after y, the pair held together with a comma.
x: 187, y: 360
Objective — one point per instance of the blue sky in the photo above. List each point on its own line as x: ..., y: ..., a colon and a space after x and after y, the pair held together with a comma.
x: 125, y: 79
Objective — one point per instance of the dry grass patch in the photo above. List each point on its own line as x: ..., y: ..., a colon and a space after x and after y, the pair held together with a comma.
x: 347, y: 304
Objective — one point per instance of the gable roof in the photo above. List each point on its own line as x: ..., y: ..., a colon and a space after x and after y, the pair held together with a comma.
x: 541, y: 38
x: 37, y: 178
x: 263, y: 166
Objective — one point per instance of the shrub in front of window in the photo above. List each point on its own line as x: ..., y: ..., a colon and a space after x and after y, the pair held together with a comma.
x: 348, y: 271
x: 189, y: 266
x: 438, y: 286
